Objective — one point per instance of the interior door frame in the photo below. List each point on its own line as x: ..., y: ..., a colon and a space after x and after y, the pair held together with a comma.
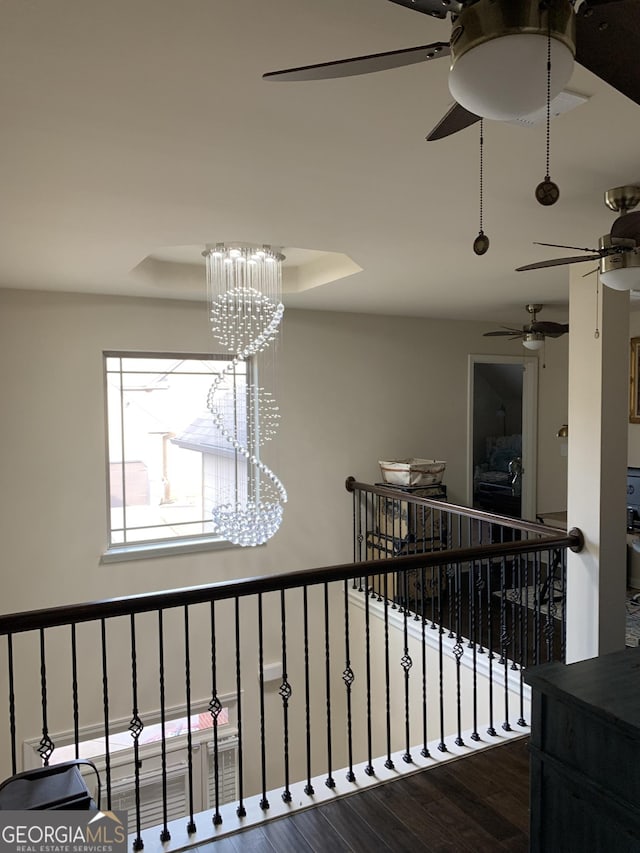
x: 529, y: 426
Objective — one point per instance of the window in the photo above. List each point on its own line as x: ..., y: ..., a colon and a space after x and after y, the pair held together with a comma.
x: 168, y: 463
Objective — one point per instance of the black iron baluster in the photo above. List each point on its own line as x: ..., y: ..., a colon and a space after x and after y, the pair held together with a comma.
x: 264, y: 802
x: 348, y: 678
x: 105, y: 710
x: 458, y: 651
x: 367, y: 647
x: 505, y: 640
x: 136, y: 727
x: 450, y: 599
x: 563, y: 618
x: 330, y: 781
x: 165, y: 835
x: 215, y: 708
x: 389, y: 761
x: 523, y: 562
x: 516, y: 597
x: 537, y: 641
x: 308, y: 788
x: 480, y: 586
x: 285, y: 694
x: 74, y: 692
x: 549, y: 630
x: 46, y: 746
x: 423, y: 650
x: 191, y: 825
x: 240, y: 810
x: 406, y: 664
x: 12, y: 705
x: 473, y: 642
x: 491, y: 728
x: 442, y: 747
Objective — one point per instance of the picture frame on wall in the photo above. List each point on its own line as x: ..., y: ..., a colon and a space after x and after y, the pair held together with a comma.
x: 634, y: 382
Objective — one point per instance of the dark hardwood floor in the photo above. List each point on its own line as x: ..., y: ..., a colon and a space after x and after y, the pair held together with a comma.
x: 478, y: 804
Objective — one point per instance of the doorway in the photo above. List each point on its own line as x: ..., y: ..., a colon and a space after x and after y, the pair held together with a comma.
x: 502, y: 434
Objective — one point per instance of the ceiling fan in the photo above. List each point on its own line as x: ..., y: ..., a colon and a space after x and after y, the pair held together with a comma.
x: 533, y: 334
x: 618, y: 252
x: 498, y: 52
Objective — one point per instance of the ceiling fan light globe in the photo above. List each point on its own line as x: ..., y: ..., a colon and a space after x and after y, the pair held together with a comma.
x: 621, y: 271
x: 506, y: 77
x: 533, y: 341
x: 622, y: 279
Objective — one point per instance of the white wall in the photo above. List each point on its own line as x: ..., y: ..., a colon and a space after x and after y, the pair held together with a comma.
x: 353, y: 389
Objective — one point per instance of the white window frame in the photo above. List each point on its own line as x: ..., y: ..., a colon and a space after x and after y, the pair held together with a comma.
x: 189, y: 543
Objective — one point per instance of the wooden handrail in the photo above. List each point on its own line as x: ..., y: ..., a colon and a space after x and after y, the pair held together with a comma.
x: 469, y: 512
x: 14, y: 623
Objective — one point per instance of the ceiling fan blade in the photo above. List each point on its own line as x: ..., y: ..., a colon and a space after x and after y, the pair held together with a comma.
x: 361, y: 64
x: 608, y: 44
x: 505, y: 333
x: 560, y: 246
x: 627, y: 226
x: 553, y: 330
x: 435, y: 8
x: 556, y: 262
x: 456, y: 119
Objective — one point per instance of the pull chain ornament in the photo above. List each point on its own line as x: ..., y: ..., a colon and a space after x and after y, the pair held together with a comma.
x: 547, y: 191
x: 481, y: 243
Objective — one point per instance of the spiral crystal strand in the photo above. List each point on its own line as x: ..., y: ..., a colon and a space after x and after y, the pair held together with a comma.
x: 244, y: 290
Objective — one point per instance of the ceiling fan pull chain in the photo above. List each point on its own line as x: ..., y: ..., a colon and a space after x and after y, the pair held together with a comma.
x: 596, y: 333
x: 548, y: 192
x: 481, y: 243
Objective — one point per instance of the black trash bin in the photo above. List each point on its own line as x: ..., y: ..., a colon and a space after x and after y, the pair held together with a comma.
x: 60, y: 786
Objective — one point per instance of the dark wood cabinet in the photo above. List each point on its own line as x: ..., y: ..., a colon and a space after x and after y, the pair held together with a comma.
x: 585, y: 755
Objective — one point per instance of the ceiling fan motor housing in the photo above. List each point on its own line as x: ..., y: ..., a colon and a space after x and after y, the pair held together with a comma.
x: 499, y: 55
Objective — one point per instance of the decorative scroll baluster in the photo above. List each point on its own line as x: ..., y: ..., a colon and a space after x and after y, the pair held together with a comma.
x: 308, y: 788
x: 165, y: 835
x: 424, y: 752
x: 264, y: 802
x: 240, y: 810
x: 215, y: 708
x: 387, y: 695
x: 74, y: 692
x: 105, y: 709
x: 406, y: 664
x: 458, y: 651
x: 12, y: 705
x: 285, y: 694
x: 330, y: 781
x: 46, y: 746
x: 191, y: 825
x: 348, y: 678
x: 136, y: 727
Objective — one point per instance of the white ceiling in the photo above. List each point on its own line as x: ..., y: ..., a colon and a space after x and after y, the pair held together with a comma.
x: 129, y: 126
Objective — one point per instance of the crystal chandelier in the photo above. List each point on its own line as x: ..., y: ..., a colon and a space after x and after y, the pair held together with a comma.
x: 244, y: 286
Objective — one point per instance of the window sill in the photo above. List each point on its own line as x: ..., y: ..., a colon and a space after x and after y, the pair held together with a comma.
x: 149, y: 550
